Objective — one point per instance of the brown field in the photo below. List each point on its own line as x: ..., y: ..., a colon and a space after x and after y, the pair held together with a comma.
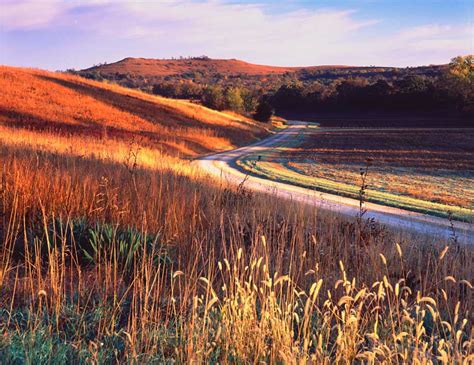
x: 103, y: 261
x: 435, y: 165
x: 159, y: 67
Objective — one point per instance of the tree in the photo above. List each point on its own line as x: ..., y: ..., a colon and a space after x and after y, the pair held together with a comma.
x: 379, y: 89
x: 350, y: 92
x: 213, y: 97
x: 460, y: 82
x: 250, y: 98
x: 462, y: 68
x: 233, y: 99
x: 190, y: 90
x: 264, y: 111
x: 168, y: 89
x: 289, y: 97
x: 376, y: 95
x: 413, y: 84
x: 414, y: 92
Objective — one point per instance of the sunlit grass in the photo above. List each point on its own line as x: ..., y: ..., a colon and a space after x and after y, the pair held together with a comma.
x: 107, y: 262
x: 72, y: 106
x: 107, y: 150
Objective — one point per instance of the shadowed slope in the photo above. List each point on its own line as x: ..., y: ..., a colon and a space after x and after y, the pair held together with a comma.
x: 69, y: 105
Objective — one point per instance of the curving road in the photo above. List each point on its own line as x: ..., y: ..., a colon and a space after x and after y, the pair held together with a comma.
x: 223, y: 166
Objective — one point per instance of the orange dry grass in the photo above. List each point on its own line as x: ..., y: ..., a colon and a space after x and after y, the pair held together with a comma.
x: 69, y: 105
x: 229, y: 277
x: 122, y: 152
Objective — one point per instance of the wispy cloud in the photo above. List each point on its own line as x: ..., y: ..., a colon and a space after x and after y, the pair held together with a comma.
x: 30, y: 14
x: 229, y: 30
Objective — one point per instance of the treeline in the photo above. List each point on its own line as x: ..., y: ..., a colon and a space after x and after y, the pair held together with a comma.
x: 412, y: 93
x: 423, y: 89
x: 452, y: 90
x: 237, y: 99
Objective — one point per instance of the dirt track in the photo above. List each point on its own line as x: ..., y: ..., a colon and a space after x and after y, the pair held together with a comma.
x: 222, y: 166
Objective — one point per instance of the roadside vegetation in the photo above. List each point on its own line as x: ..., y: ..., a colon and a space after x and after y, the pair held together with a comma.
x: 116, y: 252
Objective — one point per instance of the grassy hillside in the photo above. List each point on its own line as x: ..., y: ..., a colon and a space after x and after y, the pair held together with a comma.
x: 61, y: 111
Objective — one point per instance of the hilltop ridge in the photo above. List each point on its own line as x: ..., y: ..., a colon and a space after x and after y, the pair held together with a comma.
x: 168, y: 67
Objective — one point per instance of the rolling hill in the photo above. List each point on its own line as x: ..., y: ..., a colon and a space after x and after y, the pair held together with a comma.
x: 170, y: 67
x: 63, y: 112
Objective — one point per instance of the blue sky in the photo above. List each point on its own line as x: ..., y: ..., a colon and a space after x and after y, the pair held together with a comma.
x: 60, y: 34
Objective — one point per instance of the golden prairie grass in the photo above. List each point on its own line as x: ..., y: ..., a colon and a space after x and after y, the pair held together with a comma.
x: 131, y: 153
x: 69, y: 105
x: 105, y: 263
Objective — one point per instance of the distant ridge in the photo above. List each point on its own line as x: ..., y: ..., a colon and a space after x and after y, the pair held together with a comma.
x: 167, y: 67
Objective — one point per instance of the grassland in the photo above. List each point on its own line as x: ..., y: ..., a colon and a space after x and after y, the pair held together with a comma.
x: 425, y: 170
x: 79, y: 111
x: 103, y: 260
